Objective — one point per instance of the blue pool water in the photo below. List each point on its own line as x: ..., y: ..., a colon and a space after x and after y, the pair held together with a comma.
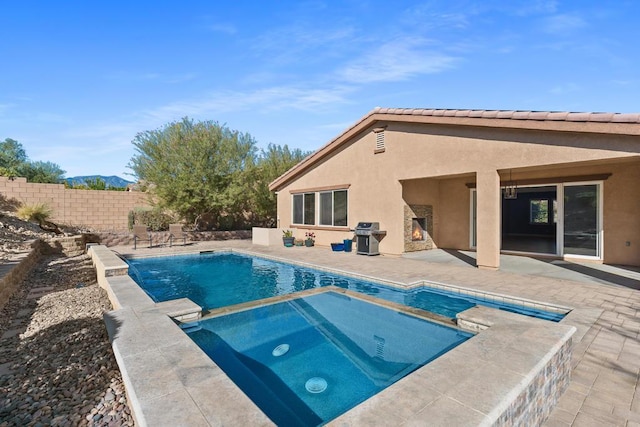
x: 307, y: 360
x: 222, y: 279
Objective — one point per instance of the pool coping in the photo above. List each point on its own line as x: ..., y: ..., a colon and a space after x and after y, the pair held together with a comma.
x: 166, y: 374
x: 491, y: 296
x: 412, y: 311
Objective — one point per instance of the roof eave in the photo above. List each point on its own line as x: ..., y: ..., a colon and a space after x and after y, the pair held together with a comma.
x: 602, y: 123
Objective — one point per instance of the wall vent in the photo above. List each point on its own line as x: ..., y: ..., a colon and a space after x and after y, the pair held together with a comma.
x: 380, y: 147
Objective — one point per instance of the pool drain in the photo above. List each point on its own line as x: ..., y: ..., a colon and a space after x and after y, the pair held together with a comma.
x: 316, y: 385
x: 280, y: 350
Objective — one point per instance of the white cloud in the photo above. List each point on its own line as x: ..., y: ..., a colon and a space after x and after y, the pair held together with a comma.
x: 4, y: 108
x: 300, y: 44
x: 625, y: 83
x: 152, y: 77
x: 563, y: 24
x: 101, y: 131
x: 262, y: 100
x: 225, y: 28
x: 397, y: 60
x: 534, y: 7
x: 428, y: 17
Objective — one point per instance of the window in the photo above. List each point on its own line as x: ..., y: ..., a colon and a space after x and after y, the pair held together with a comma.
x: 333, y: 208
x: 539, y: 211
x: 309, y: 208
x: 304, y: 208
x: 297, y: 208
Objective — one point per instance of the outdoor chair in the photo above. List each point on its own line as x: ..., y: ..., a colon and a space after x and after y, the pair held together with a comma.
x: 176, y: 232
x: 141, y: 232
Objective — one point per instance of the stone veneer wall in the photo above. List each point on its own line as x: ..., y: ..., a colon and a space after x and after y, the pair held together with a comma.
x: 417, y: 211
x: 97, y: 209
x: 534, y: 405
x: 68, y: 246
x: 544, y: 380
x: 162, y: 237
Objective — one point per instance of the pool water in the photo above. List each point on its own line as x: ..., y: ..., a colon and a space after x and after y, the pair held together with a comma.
x: 221, y: 279
x: 307, y: 360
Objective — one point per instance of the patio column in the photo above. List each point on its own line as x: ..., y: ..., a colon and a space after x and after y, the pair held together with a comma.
x: 488, y: 220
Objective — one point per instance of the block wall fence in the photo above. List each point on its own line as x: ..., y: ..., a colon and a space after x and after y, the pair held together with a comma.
x: 98, y: 209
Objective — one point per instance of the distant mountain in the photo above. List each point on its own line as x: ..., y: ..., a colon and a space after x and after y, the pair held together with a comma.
x: 111, y: 181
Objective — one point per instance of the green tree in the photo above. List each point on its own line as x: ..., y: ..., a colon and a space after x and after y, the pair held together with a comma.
x: 12, y: 156
x: 43, y: 172
x: 14, y: 162
x: 96, y: 184
x: 197, y: 169
x: 272, y: 162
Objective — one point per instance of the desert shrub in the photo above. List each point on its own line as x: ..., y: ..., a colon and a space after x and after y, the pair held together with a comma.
x: 156, y: 219
x: 38, y: 212
x: 131, y: 219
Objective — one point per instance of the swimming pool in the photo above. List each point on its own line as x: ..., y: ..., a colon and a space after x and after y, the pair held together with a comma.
x: 309, y: 359
x: 214, y: 280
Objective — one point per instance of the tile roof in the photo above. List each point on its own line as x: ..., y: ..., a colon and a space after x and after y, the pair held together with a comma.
x: 514, y: 115
x: 559, y: 121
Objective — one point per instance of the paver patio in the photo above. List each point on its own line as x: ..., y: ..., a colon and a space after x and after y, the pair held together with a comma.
x: 606, y: 359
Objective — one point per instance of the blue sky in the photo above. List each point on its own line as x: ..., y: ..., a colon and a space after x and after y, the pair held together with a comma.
x: 80, y: 79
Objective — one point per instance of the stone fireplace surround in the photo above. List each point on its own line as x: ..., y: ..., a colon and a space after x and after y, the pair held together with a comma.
x: 418, y: 211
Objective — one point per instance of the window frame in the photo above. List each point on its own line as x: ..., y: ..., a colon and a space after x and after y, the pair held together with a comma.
x: 333, y: 207
x: 304, y: 197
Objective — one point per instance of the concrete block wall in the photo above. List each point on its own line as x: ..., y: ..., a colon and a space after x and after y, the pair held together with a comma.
x: 98, y: 209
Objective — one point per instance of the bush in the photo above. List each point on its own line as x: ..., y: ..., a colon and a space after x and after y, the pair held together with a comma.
x: 156, y: 219
x: 38, y: 212
x: 131, y: 219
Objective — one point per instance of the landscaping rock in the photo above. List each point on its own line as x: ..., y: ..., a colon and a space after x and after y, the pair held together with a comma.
x: 61, y: 369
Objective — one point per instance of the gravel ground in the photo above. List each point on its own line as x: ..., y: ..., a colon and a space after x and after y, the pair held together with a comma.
x: 59, y: 370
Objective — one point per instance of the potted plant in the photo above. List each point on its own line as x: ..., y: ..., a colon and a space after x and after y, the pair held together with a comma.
x: 287, y: 238
x: 310, y: 239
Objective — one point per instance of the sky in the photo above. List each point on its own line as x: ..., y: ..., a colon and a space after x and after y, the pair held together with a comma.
x: 80, y: 79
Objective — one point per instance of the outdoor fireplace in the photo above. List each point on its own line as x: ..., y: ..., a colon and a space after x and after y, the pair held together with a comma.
x: 418, y: 229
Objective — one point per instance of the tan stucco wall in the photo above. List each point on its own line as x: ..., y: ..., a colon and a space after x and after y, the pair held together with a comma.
x: 451, y: 209
x: 98, y: 209
x: 622, y: 215
x: 448, y: 150
x: 430, y: 164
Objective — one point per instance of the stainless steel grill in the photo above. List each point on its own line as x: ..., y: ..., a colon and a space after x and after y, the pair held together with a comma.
x: 368, y: 236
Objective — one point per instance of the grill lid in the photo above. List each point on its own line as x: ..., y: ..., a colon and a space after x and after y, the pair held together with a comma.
x: 371, y: 226
x: 368, y: 229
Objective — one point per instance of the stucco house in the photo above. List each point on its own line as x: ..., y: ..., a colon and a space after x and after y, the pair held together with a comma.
x: 557, y: 184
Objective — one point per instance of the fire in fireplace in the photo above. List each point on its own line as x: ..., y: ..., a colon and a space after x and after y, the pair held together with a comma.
x: 418, y: 229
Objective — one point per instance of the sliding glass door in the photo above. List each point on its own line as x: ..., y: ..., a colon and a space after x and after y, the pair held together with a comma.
x: 582, y: 227
x: 569, y: 213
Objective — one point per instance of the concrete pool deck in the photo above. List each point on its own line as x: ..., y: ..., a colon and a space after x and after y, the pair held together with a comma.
x: 606, y: 355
